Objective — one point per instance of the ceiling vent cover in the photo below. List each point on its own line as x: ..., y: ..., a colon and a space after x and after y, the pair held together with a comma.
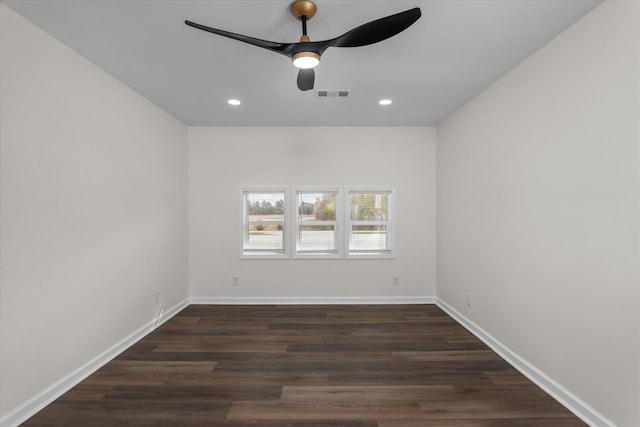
x: 332, y: 93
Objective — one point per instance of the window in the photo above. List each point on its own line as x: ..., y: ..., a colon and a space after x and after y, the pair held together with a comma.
x: 264, y: 223
x: 317, y: 224
x: 370, y: 231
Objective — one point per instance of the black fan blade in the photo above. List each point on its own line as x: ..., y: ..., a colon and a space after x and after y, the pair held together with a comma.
x: 306, y: 77
x: 366, y: 34
x: 378, y: 30
x: 283, y: 48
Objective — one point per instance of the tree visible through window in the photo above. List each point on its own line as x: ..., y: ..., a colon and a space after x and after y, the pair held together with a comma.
x: 369, y: 222
x: 316, y: 224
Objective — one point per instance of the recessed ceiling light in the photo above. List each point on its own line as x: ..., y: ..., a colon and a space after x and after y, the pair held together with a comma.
x: 385, y: 102
x: 234, y: 102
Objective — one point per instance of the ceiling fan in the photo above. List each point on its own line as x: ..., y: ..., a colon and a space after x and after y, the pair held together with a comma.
x: 306, y: 54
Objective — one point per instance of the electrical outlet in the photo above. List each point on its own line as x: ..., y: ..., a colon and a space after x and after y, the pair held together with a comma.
x: 469, y: 299
x: 235, y: 280
x: 156, y: 297
x: 395, y: 281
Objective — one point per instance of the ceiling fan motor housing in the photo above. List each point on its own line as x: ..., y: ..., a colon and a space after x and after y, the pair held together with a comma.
x: 300, y: 8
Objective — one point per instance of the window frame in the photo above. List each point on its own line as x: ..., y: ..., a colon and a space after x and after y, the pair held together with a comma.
x: 343, y: 224
x: 390, y: 234
x: 337, y: 253
x: 245, y: 223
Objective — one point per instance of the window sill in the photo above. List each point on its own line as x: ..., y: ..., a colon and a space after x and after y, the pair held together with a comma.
x: 263, y: 255
x: 372, y: 255
x: 317, y: 256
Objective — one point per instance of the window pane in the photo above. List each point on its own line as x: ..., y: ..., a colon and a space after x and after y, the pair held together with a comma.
x: 265, y: 205
x: 369, y: 222
x: 316, y: 221
x: 264, y: 224
x: 265, y: 237
x: 369, y: 206
x: 368, y: 238
x: 319, y: 238
x: 316, y: 207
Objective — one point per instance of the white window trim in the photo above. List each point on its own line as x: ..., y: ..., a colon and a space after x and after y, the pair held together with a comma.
x: 266, y: 254
x: 342, y: 224
x: 391, y: 225
x: 338, y: 223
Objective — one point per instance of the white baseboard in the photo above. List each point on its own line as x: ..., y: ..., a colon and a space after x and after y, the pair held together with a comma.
x: 585, y: 412
x: 36, y: 403
x: 310, y: 300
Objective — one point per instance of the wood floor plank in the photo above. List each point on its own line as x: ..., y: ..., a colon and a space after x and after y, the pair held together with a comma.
x: 448, y: 356
x: 227, y: 348
x: 493, y: 409
x: 283, y: 411
x: 304, y: 366
x: 118, y: 367
x: 370, y: 395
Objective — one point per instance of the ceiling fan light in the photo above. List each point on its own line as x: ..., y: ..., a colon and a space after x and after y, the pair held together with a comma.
x: 306, y: 60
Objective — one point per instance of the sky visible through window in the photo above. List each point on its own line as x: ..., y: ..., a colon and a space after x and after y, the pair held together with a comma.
x: 265, y: 197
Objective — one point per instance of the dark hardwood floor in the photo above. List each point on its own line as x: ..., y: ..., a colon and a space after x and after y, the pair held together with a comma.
x: 374, y: 366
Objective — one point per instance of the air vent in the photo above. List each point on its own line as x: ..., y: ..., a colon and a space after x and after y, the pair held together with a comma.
x: 333, y: 93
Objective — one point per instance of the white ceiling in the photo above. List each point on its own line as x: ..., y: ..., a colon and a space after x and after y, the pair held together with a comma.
x: 457, y: 48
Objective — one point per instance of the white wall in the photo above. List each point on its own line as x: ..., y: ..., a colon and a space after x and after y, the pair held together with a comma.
x: 223, y: 160
x: 538, y: 210
x: 93, y: 210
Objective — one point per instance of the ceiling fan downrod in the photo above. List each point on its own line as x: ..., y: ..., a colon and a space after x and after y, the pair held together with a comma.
x: 303, y: 10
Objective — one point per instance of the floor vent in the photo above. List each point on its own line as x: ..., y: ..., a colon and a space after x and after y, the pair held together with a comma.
x: 332, y: 93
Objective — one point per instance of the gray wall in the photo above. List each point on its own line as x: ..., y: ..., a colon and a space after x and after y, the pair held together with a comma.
x: 538, y: 210
x: 223, y: 160
x: 93, y: 210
